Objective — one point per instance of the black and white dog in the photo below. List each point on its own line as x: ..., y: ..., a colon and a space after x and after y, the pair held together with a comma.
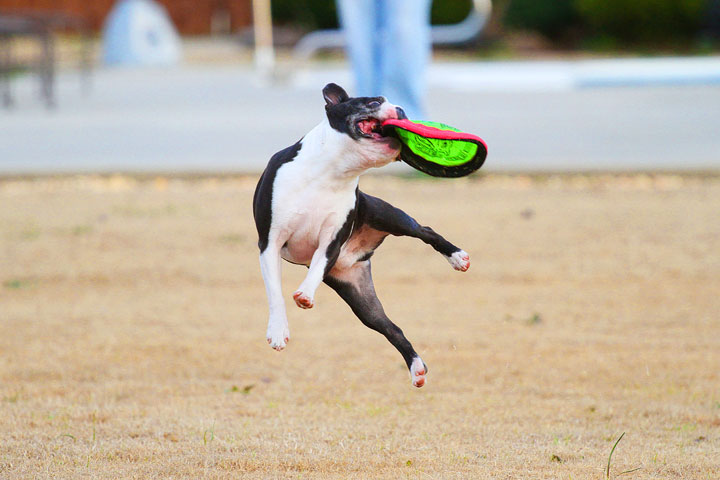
x: 308, y: 210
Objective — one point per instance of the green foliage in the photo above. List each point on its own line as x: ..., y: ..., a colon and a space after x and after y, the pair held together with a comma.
x: 310, y: 14
x: 638, y: 20
x: 449, y: 11
x: 609, y: 22
x: 605, y: 24
x: 549, y: 17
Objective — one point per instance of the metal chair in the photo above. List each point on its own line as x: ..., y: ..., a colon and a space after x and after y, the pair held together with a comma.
x: 40, y: 26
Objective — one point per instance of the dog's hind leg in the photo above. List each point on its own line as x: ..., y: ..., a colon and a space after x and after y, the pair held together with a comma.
x: 382, y: 216
x: 355, y: 286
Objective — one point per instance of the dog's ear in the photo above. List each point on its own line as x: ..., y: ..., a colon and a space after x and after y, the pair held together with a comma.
x: 334, y: 94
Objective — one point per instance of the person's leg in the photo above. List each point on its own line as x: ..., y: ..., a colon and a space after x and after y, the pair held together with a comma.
x: 406, y: 53
x: 359, y: 21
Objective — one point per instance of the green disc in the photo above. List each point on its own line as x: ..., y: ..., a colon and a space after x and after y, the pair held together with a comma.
x: 448, y: 153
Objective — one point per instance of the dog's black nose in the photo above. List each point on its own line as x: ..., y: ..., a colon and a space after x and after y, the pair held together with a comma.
x: 400, y: 113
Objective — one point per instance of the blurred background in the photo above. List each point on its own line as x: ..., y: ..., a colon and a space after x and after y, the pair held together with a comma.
x: 132, y: 308
x: 220, y: 85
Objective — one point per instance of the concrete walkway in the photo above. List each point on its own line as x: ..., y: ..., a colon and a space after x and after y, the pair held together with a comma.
x: 659, y: 114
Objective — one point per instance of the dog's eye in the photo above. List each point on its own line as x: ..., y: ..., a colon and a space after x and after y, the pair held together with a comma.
x: 374, y: 104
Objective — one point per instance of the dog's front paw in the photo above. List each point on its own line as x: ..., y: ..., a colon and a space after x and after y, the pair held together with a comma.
x: 459, y: 260
x: 418, y: 370
x: 302, y: 300
x: 278, y: 336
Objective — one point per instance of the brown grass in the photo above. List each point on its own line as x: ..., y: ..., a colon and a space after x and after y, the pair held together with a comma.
x: 132, y: 321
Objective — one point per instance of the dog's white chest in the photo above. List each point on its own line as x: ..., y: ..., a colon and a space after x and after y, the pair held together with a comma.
x: 308, y: 210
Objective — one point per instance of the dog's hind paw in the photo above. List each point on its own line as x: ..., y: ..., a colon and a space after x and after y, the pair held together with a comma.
x: 459, y: 260
x: 302, y: 300
x: 418, y: 370
x: 278, y: 338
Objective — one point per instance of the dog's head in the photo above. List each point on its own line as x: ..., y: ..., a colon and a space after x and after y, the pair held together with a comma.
x: 360, y: 118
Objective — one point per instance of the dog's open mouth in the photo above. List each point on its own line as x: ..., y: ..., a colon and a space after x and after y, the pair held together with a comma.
x: 370, y: 128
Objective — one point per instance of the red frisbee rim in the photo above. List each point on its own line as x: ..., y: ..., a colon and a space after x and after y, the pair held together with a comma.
x: 432, y: 132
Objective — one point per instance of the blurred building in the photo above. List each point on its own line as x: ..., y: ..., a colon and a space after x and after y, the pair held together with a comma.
x: 191, y: 17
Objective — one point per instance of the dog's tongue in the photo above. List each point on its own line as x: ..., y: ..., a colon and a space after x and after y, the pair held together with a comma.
x: 366, y: 126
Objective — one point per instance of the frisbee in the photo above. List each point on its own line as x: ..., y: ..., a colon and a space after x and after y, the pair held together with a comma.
x: 437, y: 149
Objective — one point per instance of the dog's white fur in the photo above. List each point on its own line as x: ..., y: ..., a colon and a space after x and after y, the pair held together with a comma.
x: 460, y: 261
x: 418, y: 372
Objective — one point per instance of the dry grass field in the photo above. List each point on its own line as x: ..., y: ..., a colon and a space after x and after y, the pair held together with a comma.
x: 133, y: 315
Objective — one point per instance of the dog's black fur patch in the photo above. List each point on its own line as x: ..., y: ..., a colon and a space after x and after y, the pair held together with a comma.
x: 333, y: 250
x: 262, y: 200
x: 344, y: 112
